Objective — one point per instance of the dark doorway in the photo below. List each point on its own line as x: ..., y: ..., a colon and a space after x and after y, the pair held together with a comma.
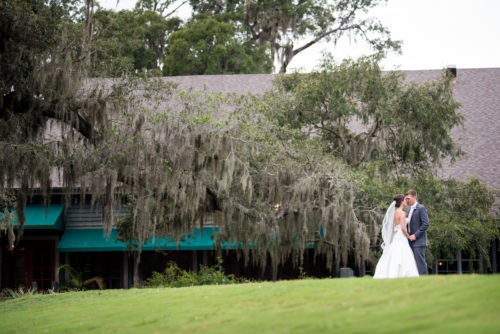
x: 30, y: 264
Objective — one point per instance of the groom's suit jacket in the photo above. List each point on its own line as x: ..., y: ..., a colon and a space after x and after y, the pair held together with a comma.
x: 418, y: 225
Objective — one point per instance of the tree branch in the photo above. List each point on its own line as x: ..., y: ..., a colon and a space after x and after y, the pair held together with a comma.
x: 14, y: 103
x: 340, y: 27
x: 320, y: 37
x: 175, y: 9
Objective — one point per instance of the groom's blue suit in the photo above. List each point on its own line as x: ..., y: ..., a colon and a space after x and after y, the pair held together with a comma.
x: 418, y: 226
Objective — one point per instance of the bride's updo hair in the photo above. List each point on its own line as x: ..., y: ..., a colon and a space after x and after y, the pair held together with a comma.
x: 398, y: 199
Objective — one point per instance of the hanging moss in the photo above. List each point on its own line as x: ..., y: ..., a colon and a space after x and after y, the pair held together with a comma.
x: 177, y: 157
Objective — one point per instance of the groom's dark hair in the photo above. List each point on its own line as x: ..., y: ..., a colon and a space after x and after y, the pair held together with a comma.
x: 411, y: 192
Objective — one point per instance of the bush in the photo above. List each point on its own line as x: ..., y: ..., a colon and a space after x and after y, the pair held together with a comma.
x: 19, y: 293
x: 175, y: 277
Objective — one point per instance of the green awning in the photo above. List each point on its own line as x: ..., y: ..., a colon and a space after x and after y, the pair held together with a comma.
x: 94, y: 240
x: 37, y: 218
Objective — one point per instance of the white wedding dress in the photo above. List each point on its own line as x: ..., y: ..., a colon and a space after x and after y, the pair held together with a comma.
x: 397, y: 259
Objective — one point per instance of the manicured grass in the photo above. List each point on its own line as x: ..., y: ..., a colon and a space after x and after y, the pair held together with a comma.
x: 434, y: 304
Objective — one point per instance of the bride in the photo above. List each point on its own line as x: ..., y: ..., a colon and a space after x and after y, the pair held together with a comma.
x: 397, y: 259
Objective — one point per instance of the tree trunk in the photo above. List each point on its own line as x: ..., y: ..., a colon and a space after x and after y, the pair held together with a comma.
x: 494, y: 246
x: 286, y: 57
x: 274, y: 268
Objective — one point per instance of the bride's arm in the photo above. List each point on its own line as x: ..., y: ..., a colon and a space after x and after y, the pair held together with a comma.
x: 402, y: 221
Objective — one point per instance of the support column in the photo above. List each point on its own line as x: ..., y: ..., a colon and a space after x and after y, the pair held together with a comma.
x: 1, y: 263
x: 363, y: 269
x: 205, y: 258
x: 459, y: 262
x: 195, y: 261
x: 125, y: 270
x: 66, y: 273
x: 436, y: 267
x: 494, y: 249
x: 57, y: 261
x: 130, y: 270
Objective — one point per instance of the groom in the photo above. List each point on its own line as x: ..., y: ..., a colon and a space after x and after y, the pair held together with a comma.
x: 419, y: 222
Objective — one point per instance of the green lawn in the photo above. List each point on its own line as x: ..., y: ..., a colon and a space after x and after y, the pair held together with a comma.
x: 438, y: 304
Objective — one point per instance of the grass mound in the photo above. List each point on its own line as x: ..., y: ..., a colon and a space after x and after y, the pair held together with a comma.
x: 435, y: 304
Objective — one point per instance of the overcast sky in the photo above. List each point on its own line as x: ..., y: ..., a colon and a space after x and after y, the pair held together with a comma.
x: 435, y: 33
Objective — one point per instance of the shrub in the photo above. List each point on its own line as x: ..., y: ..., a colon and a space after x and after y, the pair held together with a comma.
x: 19, y: 293
x: 175, y: 277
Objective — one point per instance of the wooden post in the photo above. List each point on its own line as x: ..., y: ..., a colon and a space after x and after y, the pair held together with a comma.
x: 459, y: 262
x: 436, y: 267
x: 1, y: 263
x: 125, y: 271
x: 195, y: 261
x: 66, y: 273
x: 57, y: 256
x: 205, y: 258
x: 494, y: 249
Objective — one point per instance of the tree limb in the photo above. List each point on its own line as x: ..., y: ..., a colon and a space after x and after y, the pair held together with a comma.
x: 14, y: 103
x: 175, y: 9
x: 340, y: 27
x: 320, y: 37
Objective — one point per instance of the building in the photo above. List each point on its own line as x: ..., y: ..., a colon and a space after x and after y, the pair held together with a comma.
x: 74, y: 235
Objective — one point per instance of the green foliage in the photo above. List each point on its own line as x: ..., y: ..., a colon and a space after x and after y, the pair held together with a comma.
x: 174, y: 277
x: 289, y: 27
x: 29, y: 30
x: 19, y: 293
x: 7, y: 202
x: 7, y: 210
x: 130, y: 41
x: 209, y: 46
x: 38, y: 44
x: 460, y: 212
x: 393, y: 135
x: 460, y: 216
x: 76, y: 281
x: 363, y: 115
x: 302, y: 273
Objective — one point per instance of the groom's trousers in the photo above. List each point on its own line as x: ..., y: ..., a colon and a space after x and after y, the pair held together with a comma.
x: 419, y: 253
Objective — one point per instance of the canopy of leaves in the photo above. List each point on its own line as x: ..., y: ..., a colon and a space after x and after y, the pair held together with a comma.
x: 268, y: 192
x: 461, y: 216
x: 210, y: 46
x: 460, y: 212
x: 29, y: 31
x: 283, y: 24
x: 362, y: 114
x: 176, y: 158
x: 37, y: 48
x: 130, y: 41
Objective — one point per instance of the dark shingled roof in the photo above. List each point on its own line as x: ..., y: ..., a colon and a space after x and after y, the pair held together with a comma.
x: 477, y: 90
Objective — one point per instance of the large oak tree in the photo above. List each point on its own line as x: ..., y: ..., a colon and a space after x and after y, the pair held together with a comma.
x: 292, y: 26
